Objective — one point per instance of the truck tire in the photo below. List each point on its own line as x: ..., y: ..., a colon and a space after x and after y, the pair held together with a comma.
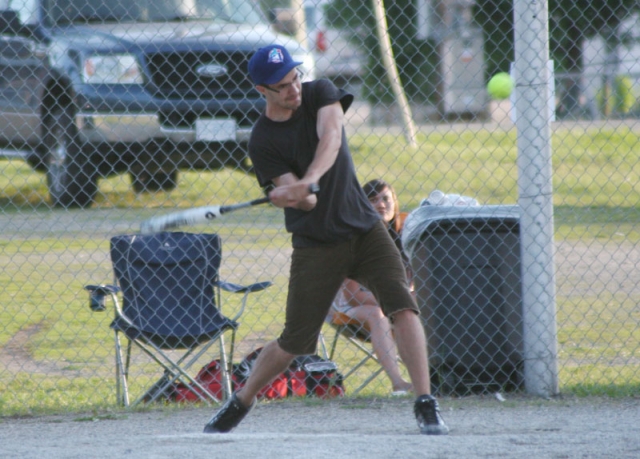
x: 71, y: 179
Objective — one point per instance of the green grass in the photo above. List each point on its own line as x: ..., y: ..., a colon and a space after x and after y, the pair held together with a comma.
x: 596, y: 184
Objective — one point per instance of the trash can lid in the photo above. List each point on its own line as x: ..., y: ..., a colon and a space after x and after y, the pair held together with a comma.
x: 423, y: 218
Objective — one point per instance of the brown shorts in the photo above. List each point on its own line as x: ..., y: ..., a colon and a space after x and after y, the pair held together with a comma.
x: 372, y: 259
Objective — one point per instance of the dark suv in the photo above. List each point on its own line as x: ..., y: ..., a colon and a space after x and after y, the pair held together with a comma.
x: 91, y: 88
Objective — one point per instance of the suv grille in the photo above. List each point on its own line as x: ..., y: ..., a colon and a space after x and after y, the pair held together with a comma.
x: 175, y: 76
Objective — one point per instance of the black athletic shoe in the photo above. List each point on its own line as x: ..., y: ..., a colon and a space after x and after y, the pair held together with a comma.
x: 228, y: 416
x: 428, y: 416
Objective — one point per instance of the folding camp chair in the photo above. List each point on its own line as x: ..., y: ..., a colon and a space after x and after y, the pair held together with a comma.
x: 171, y: 292
x: 355, y: 334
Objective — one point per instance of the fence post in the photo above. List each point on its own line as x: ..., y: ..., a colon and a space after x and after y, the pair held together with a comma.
x: 535, y: 196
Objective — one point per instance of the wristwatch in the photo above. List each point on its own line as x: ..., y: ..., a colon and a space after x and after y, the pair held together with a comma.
x: 314, y: 188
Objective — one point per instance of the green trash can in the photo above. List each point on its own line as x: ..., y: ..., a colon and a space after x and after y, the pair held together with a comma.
x: 466, y: 267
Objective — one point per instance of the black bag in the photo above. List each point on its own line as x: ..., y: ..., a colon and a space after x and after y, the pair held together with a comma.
x: 321, y: 377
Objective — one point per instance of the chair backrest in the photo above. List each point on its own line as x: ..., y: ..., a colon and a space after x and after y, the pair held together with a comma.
x: 166, y: 280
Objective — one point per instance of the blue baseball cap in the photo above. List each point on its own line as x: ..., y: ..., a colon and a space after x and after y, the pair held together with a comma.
x: 271, y: 64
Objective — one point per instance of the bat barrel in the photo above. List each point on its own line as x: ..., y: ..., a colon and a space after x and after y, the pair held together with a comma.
x: 192, y: 216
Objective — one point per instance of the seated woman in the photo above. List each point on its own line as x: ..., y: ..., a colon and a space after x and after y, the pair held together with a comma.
x: 358, y: 303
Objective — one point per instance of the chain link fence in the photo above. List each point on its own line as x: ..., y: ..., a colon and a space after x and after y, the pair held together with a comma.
x: 112, y: 112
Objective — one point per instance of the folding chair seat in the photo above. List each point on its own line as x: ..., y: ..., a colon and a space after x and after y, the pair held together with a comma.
x: 355, y: 334
x: 171, y: 295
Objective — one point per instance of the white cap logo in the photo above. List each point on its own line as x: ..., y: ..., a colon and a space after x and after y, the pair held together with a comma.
x: 275, y: 56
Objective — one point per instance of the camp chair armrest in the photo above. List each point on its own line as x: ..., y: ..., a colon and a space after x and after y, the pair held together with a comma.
x: 102, y: 289
x: 235, y: 288
x: 97, y: 294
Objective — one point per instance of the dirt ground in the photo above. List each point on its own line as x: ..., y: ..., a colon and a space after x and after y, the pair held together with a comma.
x: 481, y: 427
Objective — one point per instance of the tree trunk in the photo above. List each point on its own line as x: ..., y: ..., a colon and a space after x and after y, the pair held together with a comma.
x: 572, y: 85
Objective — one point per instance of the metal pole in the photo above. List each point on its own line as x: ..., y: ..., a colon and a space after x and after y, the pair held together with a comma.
x: 535, y: 196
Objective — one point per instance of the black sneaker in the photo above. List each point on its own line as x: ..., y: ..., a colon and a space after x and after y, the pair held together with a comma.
x: 428, y: 416
x: 228, y: 416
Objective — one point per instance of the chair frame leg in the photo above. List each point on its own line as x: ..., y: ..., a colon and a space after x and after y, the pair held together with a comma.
x: 176, y: 371
x: 339, y: 332
x: 173, y: 370
x: 227, y: 366
x: 122, y: 372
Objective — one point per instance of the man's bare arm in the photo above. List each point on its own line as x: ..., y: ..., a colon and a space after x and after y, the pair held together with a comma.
x: 329, y: 129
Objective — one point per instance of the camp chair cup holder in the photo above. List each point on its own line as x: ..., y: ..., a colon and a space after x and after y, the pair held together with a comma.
x: 98, y: 294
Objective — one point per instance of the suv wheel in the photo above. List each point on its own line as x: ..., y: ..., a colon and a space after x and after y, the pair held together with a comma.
x: 71, y: 180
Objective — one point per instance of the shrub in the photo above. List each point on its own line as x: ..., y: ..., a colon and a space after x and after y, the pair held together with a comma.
x: 618, y: 100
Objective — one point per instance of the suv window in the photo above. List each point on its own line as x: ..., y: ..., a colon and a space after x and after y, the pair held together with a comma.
x: 95, y: 11
x: 27, y: 9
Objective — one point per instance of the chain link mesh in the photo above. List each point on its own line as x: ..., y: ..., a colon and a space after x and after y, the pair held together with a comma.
x: 112, y: 112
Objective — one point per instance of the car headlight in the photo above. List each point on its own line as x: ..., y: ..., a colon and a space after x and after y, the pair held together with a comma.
x: 112, y: 69
x: 308, y: 66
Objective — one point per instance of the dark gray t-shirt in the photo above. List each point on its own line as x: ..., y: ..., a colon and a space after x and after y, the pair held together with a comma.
x: 278, y: 148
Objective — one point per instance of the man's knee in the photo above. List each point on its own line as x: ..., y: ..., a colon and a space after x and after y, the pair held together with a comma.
x: 297, y: 347
x: 280, y: 351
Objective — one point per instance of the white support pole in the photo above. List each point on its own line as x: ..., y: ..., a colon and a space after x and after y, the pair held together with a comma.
x: 535, y: 196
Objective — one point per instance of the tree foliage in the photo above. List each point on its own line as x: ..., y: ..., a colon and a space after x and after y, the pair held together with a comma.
x: 590, y: 17
x: 415, y: 59
x: 571, y: 22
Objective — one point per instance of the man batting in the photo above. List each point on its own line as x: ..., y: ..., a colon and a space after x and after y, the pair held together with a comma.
x: 298, y: 148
